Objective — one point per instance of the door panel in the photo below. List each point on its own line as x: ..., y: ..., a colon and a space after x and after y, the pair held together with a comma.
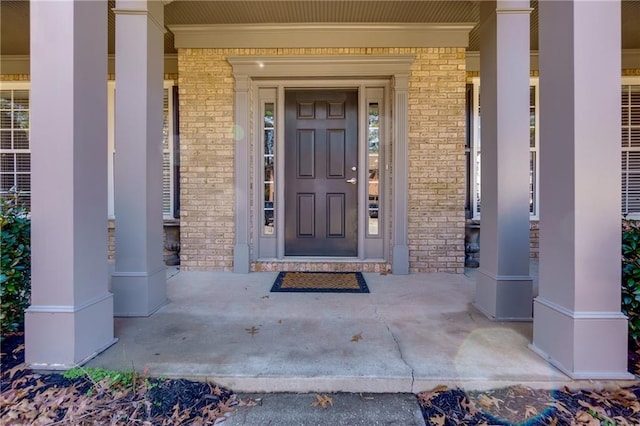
x: 306, y: 216
x: 321, y: 153
x: 306, y: 158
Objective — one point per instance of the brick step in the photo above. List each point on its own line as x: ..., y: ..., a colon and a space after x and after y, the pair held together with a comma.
x: 320, y: 266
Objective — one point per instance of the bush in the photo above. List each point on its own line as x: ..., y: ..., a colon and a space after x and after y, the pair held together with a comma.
x: 15, y: 263
x: 631, y: 278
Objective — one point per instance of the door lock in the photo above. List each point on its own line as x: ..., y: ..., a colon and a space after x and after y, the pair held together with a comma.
x: 352, y: 181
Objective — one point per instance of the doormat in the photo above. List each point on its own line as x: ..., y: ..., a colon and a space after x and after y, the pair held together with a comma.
x: 320, y: 282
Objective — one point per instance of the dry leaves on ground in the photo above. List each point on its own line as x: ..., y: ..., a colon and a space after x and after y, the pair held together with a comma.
x: 30, y: 398
x: 323, y: 401
x: 520, y: 404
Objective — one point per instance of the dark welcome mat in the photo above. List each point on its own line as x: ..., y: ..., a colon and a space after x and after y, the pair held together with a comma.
x: 320, y: 282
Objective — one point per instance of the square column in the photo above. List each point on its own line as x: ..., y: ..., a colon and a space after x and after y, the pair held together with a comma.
x: 70, y: 319
x: 400, y: 209
x: 504, y: 288
x: 578, y: 325
x: 139, y: 280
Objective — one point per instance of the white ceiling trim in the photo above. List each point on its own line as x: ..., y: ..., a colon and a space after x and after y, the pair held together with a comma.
x: 321, y: 35
x: 325, y: 66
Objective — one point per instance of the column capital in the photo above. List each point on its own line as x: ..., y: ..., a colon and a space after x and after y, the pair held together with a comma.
x: 401, y: 82
x: 153, y: 9
x: 243, y: 82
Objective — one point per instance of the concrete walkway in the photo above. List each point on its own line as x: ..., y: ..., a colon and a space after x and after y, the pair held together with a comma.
x: 411, y: 333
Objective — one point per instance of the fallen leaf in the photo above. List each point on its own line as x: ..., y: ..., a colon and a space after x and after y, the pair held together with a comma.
x: 426, y: 396
x: 264, y: 297
x: 247, y: 403
x: 586, y: 419
x: 323, y: 401
x: 356, y: 337
x: 216, y: 390
x: 621, y: 421
x: 489, y: 401
x: 593, y: 408
x: 530, y: 411
x: 470, y: 406
x: 438, y: 420
x: 252, y: 331
x: 560, y: 407
x: 225, y: 407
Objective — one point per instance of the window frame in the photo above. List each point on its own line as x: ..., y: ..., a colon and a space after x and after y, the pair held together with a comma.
x: 474, y: 174
x: 627, y: 81
x: 170, y: 150
x: 19, y: 86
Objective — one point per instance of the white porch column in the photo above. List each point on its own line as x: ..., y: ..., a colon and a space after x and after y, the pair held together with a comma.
x: 577, y: 323
x: 139, y: 281
x: 504, y: 289
x: 70, y: 319
x: 400, y: 212
x: 242, y: 181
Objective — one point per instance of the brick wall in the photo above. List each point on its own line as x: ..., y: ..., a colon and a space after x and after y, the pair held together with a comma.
x: 206, y: 94
x: 437, y: 161
x: 436, y: 154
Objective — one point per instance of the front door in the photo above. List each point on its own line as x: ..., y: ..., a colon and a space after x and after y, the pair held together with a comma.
x: 321, y: 169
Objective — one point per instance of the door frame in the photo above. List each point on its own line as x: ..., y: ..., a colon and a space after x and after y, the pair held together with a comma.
x: 370, y: 248
x: 324, y: 245
x: 253, y: 72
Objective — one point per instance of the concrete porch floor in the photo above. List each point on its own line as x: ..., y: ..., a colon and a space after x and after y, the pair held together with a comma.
x: 417, y: 331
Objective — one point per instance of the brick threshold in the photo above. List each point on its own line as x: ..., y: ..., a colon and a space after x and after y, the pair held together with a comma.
x: 321, y: 265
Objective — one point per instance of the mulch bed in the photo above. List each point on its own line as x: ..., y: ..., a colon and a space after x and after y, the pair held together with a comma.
x: 28, y: 397
x: 520, y: 405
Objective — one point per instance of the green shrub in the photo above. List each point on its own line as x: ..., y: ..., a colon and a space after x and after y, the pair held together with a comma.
x: 15, y: 263
x: 631, y: 278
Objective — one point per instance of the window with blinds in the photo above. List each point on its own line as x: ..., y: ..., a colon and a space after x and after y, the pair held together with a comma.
x: 475, y: 152
x: 15, y: 154
x: 168, y: 177
x: 630, y: 109
x: 15, y: 149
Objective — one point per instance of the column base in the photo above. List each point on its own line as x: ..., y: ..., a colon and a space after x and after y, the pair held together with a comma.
x: 400, y: 262
x: 241, y: 261
x: 63, y: 337
x: 583, y: 345
x: 138, y: 294
x: 504, y: 298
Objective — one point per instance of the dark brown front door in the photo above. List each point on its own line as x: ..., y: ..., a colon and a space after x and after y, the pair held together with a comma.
x: 321, y: 160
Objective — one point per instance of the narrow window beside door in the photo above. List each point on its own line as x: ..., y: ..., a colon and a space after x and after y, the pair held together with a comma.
x: 269, y: 168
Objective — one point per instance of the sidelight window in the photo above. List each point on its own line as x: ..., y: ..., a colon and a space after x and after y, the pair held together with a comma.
x: 373, y: 171
x: 269, y: 144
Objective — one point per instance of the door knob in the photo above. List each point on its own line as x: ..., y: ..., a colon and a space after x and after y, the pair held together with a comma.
x: 352, y: 181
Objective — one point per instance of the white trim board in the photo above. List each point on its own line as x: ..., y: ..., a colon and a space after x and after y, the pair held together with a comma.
x: 321, y: 35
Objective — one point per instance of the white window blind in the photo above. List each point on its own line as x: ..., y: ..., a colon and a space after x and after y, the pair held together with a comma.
x: 630, y: 109
x: 167, y: 153
x: 15, y: 153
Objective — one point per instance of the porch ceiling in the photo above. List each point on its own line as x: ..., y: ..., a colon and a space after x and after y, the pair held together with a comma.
x: 14, y: 17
